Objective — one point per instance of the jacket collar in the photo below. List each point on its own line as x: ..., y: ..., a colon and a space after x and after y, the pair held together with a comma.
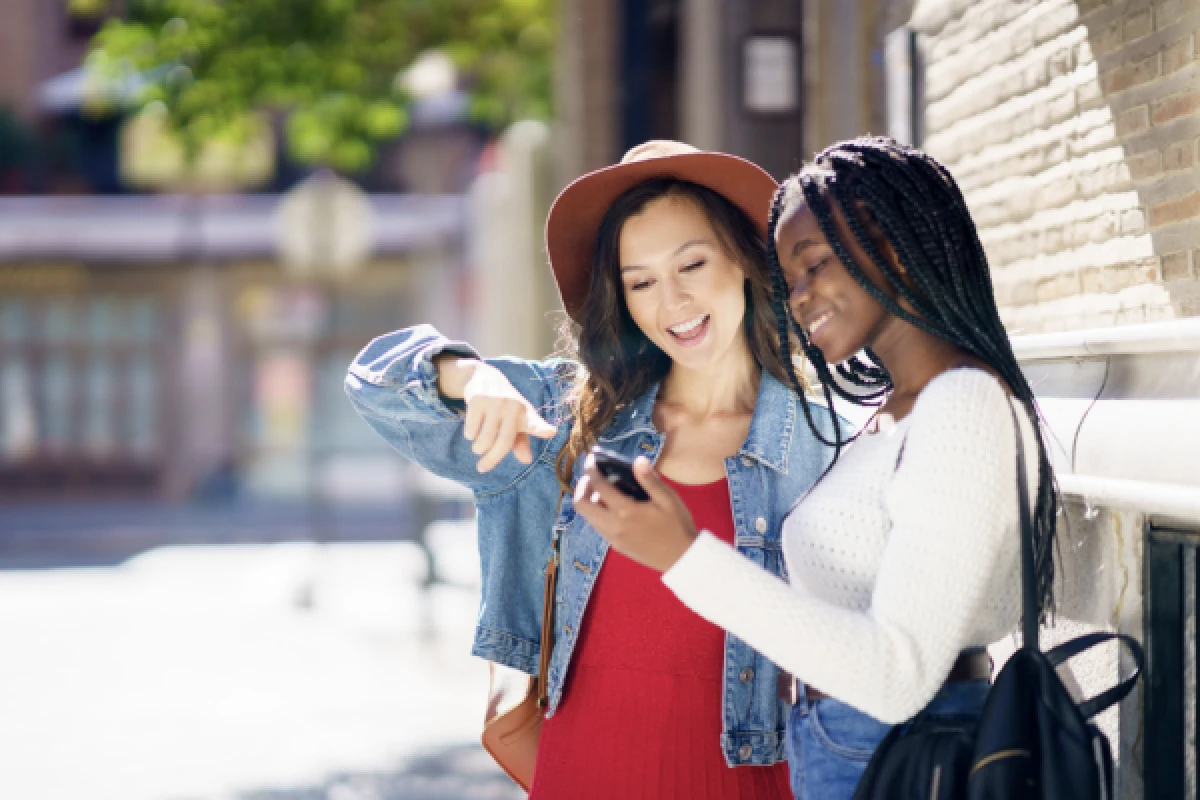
x: 773, y: 424
x: 633, y: 418
x: 771, y: 428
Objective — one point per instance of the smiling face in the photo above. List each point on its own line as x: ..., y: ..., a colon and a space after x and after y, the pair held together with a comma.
x: 841, y: 318
x: 682, y: 289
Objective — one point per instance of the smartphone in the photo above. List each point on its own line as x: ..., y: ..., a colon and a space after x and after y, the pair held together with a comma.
x: 618, y: 471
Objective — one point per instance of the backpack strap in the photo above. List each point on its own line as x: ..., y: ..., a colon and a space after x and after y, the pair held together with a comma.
x: 1067, y: 650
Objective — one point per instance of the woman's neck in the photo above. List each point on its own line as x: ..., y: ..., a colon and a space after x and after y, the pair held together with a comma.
x: 913, y: 358
x: 729, y: 386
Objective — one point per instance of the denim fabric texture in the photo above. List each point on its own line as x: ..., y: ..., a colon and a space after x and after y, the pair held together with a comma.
x: 393, y: 384
x: 830, y: 743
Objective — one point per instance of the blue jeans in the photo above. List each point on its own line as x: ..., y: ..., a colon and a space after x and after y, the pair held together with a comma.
x: 829, y: 743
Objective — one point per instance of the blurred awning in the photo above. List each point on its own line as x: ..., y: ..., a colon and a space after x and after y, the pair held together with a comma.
x: 172, y: 228
x: 84, y: 88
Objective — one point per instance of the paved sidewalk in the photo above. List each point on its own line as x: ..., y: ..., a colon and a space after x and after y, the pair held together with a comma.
x: 456, y: 773
x: 197, y: 673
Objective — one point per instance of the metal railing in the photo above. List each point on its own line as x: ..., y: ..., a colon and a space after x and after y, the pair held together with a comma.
x: 1160, y: 360
x: 1123, y: 407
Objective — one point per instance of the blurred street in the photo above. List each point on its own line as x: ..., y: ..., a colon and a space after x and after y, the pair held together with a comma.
x: 199, y: 672
x: 217, y: 582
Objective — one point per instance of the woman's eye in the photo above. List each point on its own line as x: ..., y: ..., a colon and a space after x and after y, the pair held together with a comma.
x: 639, y: 285
x: 817, y: 267
x: 694, y: 265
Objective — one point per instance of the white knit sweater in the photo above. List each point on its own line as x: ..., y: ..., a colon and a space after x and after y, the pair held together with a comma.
x: 894, y: 569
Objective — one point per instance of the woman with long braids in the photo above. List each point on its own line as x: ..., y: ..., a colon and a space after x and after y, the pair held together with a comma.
x: 903, y: 560
x: 662, y: 266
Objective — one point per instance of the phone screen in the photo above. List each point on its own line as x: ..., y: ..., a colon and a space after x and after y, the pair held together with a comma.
x: 618, y: 471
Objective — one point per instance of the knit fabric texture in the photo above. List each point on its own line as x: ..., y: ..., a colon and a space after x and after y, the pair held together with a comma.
x: 904, y: 555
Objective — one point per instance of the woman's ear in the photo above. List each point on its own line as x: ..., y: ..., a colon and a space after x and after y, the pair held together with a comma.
x: 889, y: 253
x: 880, y: 240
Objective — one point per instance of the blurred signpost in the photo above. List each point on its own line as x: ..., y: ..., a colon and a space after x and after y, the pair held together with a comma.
x: 324, y: 233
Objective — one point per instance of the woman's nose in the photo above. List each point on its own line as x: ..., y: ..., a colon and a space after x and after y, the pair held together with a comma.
x: 674, y: 295
x: 799, y: 290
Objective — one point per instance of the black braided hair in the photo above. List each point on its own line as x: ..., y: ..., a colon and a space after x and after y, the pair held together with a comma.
x: 919, y: 209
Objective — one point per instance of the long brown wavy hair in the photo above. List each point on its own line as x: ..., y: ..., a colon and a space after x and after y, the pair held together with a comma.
x: 618, y: 362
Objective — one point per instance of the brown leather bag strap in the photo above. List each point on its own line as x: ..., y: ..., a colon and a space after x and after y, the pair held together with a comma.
x: 548, y: 593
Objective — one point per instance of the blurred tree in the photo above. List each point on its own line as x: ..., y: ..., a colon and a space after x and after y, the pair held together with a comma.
x: 335, y: 66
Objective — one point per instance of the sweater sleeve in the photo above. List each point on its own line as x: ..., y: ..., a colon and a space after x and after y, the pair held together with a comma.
x: 952, y: 505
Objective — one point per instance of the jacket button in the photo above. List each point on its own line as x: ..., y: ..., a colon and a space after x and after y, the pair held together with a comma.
x: 647, y: 446
x: 747, y: 461
x: 745, y: 751
x: 746, y: 675
x: 760, y: 525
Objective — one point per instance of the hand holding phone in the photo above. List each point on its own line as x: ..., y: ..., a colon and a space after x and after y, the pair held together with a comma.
x: 644, y: 519
x: 618, y: 471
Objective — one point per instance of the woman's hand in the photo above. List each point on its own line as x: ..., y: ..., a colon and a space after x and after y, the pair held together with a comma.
x: 499, y: 419
x: 655, y: 532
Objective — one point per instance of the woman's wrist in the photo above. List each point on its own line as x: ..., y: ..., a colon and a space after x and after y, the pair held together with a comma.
x: 454, y: 371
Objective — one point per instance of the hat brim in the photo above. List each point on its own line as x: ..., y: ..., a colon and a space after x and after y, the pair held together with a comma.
x: 575, y: 216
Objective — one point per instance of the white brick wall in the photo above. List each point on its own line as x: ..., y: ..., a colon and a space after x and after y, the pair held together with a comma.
x: 1074, y: 131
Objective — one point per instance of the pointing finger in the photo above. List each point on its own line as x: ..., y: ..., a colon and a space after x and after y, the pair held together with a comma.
x: 536, y: 426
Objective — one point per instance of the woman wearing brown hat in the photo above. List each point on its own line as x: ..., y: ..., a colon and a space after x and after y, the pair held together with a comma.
x: 662, y: 267
x: 904, y: 560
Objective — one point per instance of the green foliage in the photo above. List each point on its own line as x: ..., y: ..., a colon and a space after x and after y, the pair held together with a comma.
x: 332, y: 64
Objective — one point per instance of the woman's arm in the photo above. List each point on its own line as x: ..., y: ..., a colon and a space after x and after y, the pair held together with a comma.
x: 405, y: 385
x: 499, y: 419
x: 952, y: 504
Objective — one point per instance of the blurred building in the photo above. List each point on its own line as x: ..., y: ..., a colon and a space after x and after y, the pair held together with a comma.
x: 48, y: 143
x: 770, y: 80
x: 154, y: 346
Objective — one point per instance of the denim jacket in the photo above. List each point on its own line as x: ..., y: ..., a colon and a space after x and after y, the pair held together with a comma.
x: 393, y: 384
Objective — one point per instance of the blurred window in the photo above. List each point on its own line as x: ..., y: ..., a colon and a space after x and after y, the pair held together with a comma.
x: 142, y: 421
x: 102, y: 321
x: 57, y: 387
x: 18, y: 426
x: 14, y: 321
x: 143, y: 320
x: 98, y: 406
x: 81, y: 377
x: 59, y: 325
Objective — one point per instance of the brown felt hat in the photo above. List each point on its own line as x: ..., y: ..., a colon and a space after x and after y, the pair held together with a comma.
x: 575, y: 217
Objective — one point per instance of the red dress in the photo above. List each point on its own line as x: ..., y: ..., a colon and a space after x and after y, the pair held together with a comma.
x: 641, y: 713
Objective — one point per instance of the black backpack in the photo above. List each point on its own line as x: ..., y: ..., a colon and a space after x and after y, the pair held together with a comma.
x: 1032, y: 741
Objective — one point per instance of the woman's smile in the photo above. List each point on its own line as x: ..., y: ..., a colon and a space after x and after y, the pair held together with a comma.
x: 691, y: 331
x: 814, y: 325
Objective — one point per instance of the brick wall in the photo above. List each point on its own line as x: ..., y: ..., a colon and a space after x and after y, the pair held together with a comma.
x: 1074, y: 130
